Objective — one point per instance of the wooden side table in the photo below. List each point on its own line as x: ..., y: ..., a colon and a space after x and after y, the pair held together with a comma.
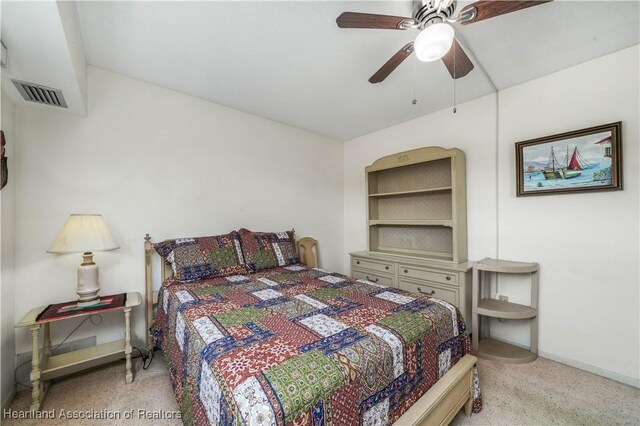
x: 52, y: 366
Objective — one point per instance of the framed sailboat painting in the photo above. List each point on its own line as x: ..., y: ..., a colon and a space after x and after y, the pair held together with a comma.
x: 582, y: 160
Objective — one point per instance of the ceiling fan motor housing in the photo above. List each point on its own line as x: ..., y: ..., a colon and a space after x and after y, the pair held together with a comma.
x: 425, y: 12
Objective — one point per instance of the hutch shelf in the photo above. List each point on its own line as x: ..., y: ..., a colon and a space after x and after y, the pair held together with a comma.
x: 416, y: 225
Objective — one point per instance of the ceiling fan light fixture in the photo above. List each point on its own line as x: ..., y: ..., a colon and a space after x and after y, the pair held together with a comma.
x: 434, y: 42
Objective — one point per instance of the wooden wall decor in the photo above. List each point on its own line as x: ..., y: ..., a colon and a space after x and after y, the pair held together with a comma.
x: 3, y: 161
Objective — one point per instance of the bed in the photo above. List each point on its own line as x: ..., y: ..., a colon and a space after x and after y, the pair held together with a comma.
x: 297, y: 345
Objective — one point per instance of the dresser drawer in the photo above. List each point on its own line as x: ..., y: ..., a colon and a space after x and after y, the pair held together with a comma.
x: 374, y: 278
x: 386, y: 267
x: 427, y: 274
x: 430, y: 289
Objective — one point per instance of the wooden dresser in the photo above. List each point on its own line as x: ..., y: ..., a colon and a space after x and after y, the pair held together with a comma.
x: 417, y: 225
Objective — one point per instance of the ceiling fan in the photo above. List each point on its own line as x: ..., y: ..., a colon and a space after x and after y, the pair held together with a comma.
x: 436, y: 39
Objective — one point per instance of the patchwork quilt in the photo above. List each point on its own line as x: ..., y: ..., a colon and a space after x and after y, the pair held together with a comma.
x: 298, y: 346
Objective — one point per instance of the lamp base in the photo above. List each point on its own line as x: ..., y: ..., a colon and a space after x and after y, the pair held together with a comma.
x: 88, y: 284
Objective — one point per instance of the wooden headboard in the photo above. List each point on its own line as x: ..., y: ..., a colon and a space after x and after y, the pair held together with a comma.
x: 307, y: 249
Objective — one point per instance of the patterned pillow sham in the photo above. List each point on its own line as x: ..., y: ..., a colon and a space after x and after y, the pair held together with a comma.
x: 263, y: 250
x: 194, y: 259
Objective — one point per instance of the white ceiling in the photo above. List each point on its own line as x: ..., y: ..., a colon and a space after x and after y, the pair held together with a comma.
x: 288, y: 61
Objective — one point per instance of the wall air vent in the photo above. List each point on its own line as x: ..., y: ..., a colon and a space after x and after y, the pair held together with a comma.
x: 40, y: 94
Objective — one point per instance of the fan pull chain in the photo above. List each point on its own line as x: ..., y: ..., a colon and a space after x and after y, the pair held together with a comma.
x: 414, y: 101
x: 454, y: 78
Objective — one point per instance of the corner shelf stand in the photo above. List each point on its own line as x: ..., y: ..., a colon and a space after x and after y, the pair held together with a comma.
x: 483, y: 306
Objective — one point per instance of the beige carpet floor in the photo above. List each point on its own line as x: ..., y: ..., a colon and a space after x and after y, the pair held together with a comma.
x: 540, y: 393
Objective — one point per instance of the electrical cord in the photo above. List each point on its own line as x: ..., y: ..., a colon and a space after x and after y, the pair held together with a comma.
x: 146, y: 358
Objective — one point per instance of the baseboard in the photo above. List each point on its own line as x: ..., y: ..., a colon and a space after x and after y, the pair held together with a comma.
x: 6, y: 403
x: 592, y: 369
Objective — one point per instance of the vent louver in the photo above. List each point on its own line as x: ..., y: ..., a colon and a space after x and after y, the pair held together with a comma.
x: 40, y: 94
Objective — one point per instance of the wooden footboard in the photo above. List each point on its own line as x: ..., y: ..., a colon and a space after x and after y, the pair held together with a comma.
x: 443, y: 401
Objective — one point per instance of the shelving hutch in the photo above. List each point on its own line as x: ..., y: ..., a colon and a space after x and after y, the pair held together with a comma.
x: 484, y: 307
x: 417, y: 225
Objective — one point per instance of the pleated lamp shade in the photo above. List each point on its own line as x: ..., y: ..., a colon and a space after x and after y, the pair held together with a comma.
x: 83, y: 233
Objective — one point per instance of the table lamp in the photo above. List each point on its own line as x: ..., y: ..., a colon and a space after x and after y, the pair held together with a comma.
x: 85, y: 233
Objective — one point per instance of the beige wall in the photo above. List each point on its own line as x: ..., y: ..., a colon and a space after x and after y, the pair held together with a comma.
x: 153, y: 160
x: 7, y: 257
x: 587, y: 244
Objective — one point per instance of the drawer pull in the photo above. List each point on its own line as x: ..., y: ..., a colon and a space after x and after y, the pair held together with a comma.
x: 357, y: 262
x: 386, y: 267
x: 373, y: 280
x: 424, y: 292
x: 406, y: 271
x: 448, y: 278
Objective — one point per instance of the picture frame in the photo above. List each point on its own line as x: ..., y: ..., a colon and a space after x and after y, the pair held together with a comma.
x: 582, y: 160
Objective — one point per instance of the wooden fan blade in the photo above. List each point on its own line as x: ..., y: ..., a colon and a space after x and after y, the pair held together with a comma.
x: 457, y: 62
x: 392, y: 64
x: 369, y: 20
x: 486, y: 9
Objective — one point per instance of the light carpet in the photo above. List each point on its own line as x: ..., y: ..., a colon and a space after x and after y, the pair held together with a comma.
x: 540, y: 393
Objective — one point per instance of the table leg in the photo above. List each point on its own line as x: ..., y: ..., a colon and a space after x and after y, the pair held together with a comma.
x: 36, y: 383
x: 47, y: 339
x: 127, y: 345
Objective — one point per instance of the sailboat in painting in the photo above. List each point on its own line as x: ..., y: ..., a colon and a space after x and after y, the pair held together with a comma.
x: 577, y: 162
x: 571, y: 168
x: 553, y: 169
